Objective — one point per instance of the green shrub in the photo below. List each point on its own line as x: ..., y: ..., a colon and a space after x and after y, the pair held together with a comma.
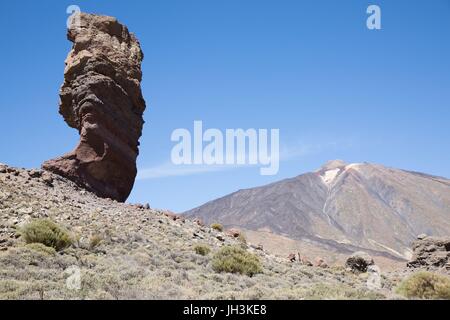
x: 425, y: 285
x: 202, y: 249
x: 234, y: 259
x: 46, y: 232
x: 217, y: 226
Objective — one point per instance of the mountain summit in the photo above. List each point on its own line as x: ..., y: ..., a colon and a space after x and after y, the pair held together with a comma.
x: 342, y: 207
x: 333, y: 164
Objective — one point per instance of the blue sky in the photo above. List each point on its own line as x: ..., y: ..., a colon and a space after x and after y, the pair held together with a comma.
x: 335, y: 89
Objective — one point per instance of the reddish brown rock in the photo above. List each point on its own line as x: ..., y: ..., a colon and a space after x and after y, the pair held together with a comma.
x: 173, y: 216
x: 101, y: 97
x: 304, y: 260
x: 234, y: 233
x: 321, y: 263
x: 199, y: 222
x: 292, y: 257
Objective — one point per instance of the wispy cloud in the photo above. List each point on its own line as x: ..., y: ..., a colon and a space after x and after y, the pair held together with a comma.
x: 287, y: 153
x: 169, y: 169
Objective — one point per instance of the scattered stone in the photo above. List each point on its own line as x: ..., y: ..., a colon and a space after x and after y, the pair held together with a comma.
x: 147, y: 206
x: 197, y: 235
x: 199, y: 222
x: 234, y: 233
x: 321, y: 263
x: 291, y: 257
x: 359, y: 262
x: 48, y: 179
x: 220, y: 238
x: 28, y: 210
x: 10, y: 170
x: 174, y: 216
x: 422, y: 236
x: 257, y: 247
x: 35, y: 173
x: 304, y: 260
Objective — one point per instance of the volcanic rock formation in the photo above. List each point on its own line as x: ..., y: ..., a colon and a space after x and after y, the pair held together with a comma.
x: 102, y: 98
x: 431, y: 252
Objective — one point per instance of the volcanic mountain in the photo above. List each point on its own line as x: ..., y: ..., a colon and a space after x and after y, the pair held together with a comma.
x: 341, y: 208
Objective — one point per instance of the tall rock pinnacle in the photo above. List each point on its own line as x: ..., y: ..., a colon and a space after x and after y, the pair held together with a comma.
x: 101, y: 97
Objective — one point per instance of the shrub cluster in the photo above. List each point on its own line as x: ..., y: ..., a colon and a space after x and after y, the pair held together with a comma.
x: 47, y: 232
x: 234, y: 259
x: 425, y: 285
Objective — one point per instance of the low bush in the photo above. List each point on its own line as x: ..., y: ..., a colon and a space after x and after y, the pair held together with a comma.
x: 202, y: 249
x: 217, y: 226
x: 46, y: 232
x: 233, y: 259
x: 425, y: 285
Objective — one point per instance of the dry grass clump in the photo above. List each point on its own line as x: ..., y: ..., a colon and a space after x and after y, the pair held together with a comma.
x: 242, y: 239
x: 202, y: 249
x: 94, y: 241
x: 425, y: 285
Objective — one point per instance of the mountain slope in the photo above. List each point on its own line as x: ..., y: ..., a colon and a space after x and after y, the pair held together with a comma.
x: 139, y: 253
x: 343, y: 207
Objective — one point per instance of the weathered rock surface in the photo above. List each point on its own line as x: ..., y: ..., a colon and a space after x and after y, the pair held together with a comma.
x: 101, y: 98
x: 431, y: 252
x: 359, y: 262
